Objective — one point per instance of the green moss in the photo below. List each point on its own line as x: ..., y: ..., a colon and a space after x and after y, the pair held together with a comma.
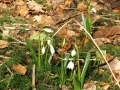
x: 20, y: 82
x: 112, y: 49
x: 113, y: 88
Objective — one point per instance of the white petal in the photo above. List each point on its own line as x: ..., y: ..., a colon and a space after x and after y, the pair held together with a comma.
x: 94, y: 10
x: 70, y: 65
x: 48, y: 30
x: 73, y: 53
x: 52, y: 49
x: 48, y: 42
x: 43, y: 50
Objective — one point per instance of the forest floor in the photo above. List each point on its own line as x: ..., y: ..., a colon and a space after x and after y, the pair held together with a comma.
x: 59, y: 45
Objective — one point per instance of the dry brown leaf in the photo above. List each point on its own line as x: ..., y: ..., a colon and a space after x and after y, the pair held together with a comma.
x: 101, y: 41
x: 114, y: 64
x: 82, y: 6
x: 117, y: 10
x: 107, y: 32
x: 94, y: 2
x: 34, y: 6
x: 90, y: 85
x: 48, y: 21
x: 104, y: 86
x: 3, y: 5
x: 63, y: 87
x: 38, y: 18
x: 3, y: 44
x: 19, y: 2
x: 64, y: 49
x: 44, y: 19
x: 62, y: 32
x: 19, y: 69
x: 24, y: 11
x: 68, y: 3
x: 70, y: 33
x: 95, y: 18
x: 117, y: 75
x: 102, y: 5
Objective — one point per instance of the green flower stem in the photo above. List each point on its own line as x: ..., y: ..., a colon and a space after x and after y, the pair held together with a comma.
x: 46, y: 60
x: 62, y: 71
x: 39, y: 46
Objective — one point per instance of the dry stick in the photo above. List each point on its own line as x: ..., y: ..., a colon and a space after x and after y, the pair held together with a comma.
x: 33, y: 77
x: 61, y: 27
x: 99, y: 51
x: 15, y: 39
x: 10, y: 77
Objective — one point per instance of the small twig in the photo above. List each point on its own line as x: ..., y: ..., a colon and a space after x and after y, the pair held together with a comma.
x: 33, y: 77
x: 15, y: 39
x: 99, y: 51
x: 10, y: 76
x: 4, y: 57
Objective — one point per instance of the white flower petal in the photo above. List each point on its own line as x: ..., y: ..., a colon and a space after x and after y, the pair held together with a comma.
x: 48, y: 42
x: 48, y: 30
x: 70, y: 65
x: 94, y: 10
x: 43, y: 50
x: 52, y: 49
x: 73, y: 53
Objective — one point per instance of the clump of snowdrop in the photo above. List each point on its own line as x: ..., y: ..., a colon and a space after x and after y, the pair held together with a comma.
x: 71, y: 64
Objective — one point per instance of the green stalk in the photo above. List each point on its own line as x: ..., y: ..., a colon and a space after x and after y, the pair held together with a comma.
x: 62, y: 71
x: 39, y: 46
x: 78, y: 62
x: 46, y: 58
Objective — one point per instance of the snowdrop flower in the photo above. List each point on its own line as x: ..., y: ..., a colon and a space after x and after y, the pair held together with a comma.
x: 70, y: 65
x: 48, y: 42
x: 52, y: 50
x: 48, y: 30
x: 43, y: 50
x: 94, y: 10
x: 73, y: 53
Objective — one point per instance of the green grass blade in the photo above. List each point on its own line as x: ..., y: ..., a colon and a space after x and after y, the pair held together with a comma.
x: 87, y: 61
x: 34, y: 56
x: 77, y: 85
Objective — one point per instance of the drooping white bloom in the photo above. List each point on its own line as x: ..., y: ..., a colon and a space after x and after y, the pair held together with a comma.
x: 94, y: 10
x: 73, y: 53
x: 48, y: 42
x: 70, y: 65
x: 43, y: 50
x: 48, y: 30
x: 52, y: 50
